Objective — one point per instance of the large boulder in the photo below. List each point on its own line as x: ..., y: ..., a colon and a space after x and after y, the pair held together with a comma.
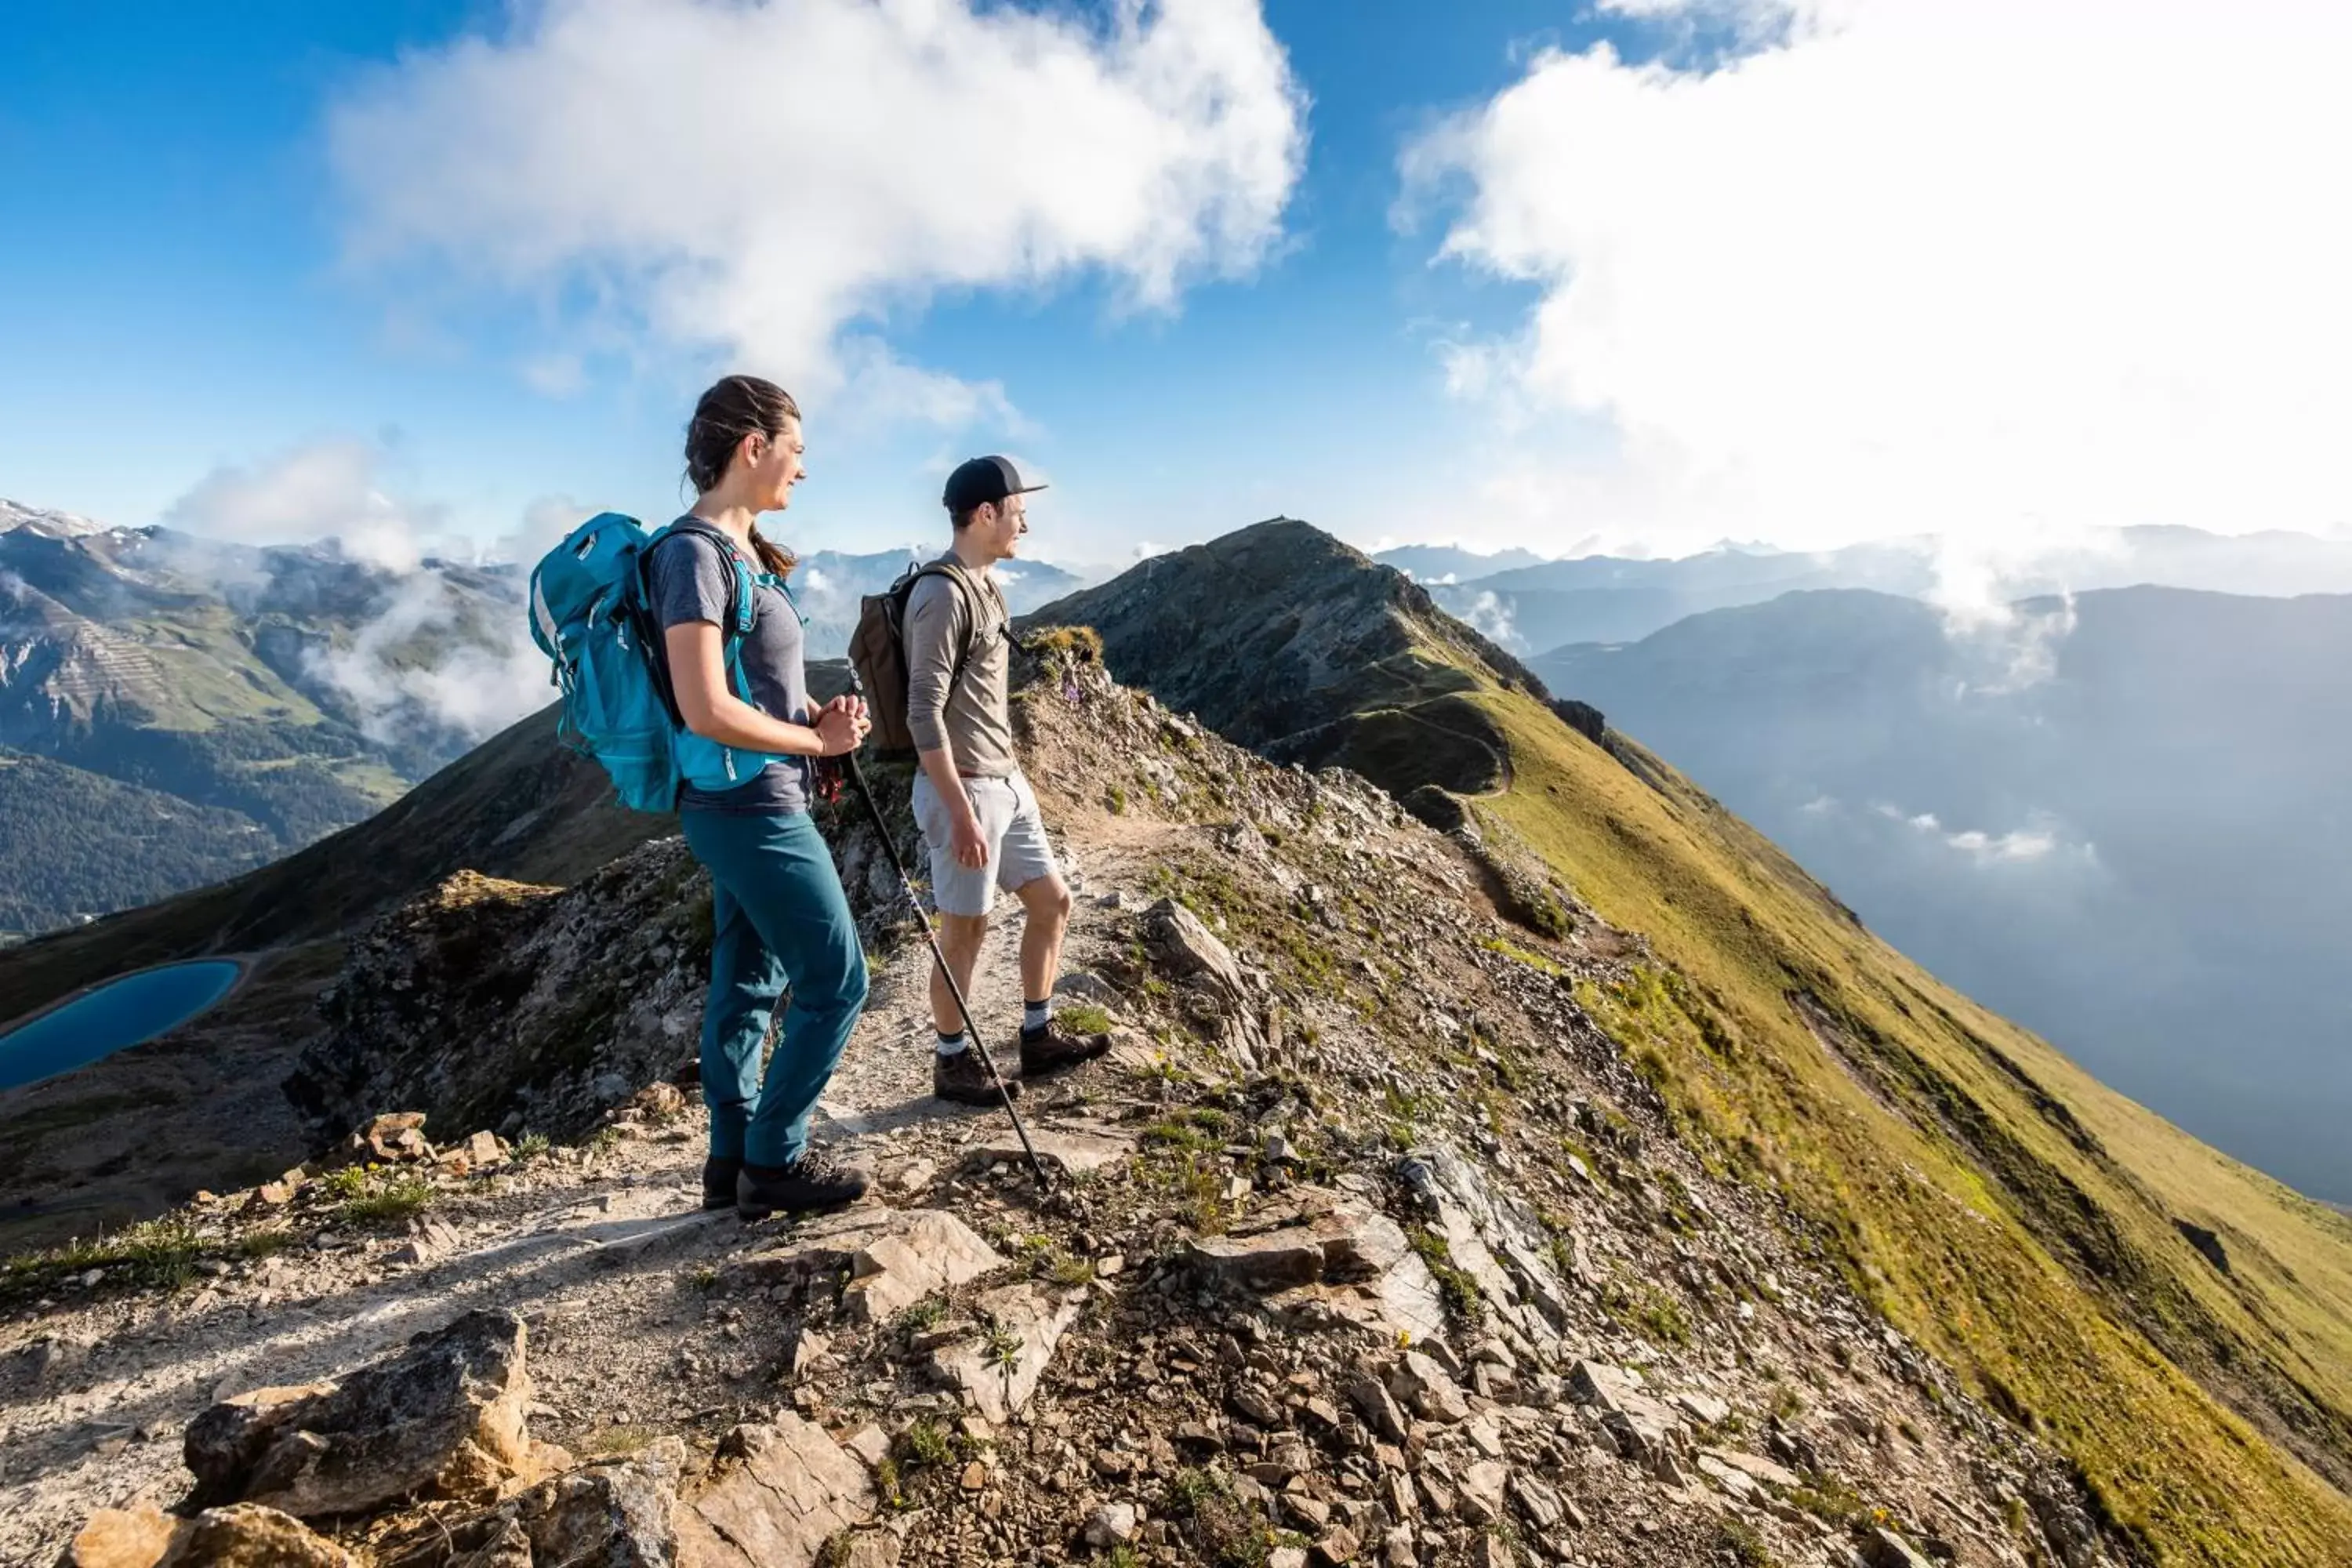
x: 442, y: 1417
x: 242, y: 1536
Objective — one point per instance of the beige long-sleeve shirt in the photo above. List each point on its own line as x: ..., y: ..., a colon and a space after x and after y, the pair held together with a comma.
x: 974, y: 717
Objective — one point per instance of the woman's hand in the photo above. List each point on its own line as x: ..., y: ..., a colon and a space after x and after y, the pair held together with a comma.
x: 842, y: 724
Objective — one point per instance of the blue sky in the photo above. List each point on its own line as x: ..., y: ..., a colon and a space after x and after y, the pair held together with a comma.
x: 172, y: 298
x: 1811, y: 295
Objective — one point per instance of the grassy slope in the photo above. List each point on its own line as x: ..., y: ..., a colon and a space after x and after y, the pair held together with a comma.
x: 2000, y: 1206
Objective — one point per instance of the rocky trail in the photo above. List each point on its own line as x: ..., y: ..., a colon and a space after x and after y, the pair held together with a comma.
x: 1366, y: 1244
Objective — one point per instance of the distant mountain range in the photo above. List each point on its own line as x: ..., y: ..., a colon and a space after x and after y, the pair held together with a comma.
x: 1530, y: 605
x: 2125, y: 820
x: 174, y: 709
x: 829, y: 584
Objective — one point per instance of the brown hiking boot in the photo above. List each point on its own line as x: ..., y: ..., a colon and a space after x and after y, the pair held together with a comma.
x: 1054, y: 1048
x: 810, y: 1183
x: 963, y: 1077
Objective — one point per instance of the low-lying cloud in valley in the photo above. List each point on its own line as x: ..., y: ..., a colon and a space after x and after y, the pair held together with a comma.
x: 444, y: 654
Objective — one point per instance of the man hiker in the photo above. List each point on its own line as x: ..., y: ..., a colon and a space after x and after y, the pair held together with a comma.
x: 978, y: 814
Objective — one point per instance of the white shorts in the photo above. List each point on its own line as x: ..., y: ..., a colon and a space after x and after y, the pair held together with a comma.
x: 1010, y: 825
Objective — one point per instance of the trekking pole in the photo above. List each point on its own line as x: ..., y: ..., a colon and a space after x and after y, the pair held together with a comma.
x: 940, y: 957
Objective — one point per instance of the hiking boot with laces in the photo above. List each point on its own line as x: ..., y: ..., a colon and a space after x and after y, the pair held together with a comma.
x: 719, y: 1181
x: 963, y: 1077
x: 1054, y: 1048
x: 811, y: 1183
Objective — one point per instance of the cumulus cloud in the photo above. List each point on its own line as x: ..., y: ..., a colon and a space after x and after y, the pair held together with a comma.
x: 1974, y: 267
x: 778, y: 179
x: 2020, y: 845
x: 329, y: 488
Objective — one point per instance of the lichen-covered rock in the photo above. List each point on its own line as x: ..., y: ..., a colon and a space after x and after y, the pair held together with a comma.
x: 999, y: 1372
x: 444, y: 1417
x: 1493, y: 1236
x: 1191, y: 950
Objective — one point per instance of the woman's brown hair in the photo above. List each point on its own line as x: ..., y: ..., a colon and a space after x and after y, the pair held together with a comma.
x: 734, y: 407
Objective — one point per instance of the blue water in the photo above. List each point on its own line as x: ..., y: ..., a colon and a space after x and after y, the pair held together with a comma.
x: 118, y: 1014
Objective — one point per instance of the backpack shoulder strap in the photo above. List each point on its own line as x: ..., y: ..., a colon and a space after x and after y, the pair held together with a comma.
x: 742, y: 608
x: 955, y: 573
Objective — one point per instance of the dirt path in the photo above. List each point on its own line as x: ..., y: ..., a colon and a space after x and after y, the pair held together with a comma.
x: 604, y: 1250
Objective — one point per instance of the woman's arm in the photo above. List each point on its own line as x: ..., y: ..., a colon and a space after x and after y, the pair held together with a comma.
x: 697, y: 672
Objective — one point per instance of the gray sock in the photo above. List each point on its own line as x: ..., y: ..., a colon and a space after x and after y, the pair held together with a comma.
x: 1036, y: 1015
x: 954, y: 1045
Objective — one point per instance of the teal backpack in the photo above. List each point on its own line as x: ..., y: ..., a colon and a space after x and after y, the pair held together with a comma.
x: 591, y: 613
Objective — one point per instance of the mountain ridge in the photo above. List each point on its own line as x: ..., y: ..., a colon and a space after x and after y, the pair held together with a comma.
x: 1811, y: 1052
x: 2051, y: 1243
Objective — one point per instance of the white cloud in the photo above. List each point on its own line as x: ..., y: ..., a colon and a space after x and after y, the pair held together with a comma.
x: 1491, y: 617
x: 330, y: 488
x: 1971, y: 267
x: 776, y: 180
x: 556, y: 375
x: 426, y: 661
x: 473, y: 686
x: 2020, y: 845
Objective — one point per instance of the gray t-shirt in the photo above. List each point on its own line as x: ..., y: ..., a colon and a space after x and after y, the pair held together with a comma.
x: 973, y: 714
x: 690, y: 578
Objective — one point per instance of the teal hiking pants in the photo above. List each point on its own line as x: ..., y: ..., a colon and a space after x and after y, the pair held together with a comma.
x: 778, y: 916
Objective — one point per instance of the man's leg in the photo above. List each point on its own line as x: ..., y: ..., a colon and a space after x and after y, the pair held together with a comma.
x: 1034, y: 876
x: 959, y: 937
x: 1047, y: 899
x: 963, y: 895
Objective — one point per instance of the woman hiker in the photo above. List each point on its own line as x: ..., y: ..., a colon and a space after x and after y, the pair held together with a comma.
x: 778, y: 913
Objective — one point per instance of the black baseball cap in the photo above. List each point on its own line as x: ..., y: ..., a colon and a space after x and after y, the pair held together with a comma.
x: 981, y: 481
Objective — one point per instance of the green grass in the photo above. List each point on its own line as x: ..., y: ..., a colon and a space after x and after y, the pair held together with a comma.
x: 267, y: 1243
x: 159, y: 1253
x: 1739, y: 1541
x: 1461, y: 1293
x: 926, y: 1444
x: 1190, y: 1489
x: 1993, y: 1200
x: 618, y: 1442
x: 385, y: 1198
x: 1517, y: 954
x: 1083, y: 1018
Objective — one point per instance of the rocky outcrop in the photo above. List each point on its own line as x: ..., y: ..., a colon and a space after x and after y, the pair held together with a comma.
x: 445, y: 1417
x: 565, y: 1002
x: 776, y: 1495
x: 617, y: 1514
